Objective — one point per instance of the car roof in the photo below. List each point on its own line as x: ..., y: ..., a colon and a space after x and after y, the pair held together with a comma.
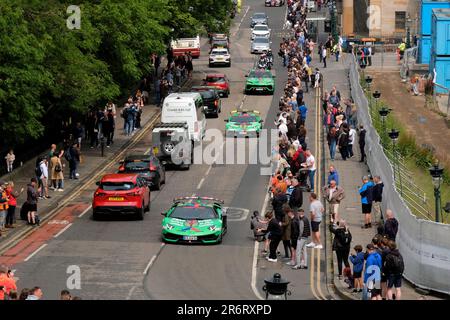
x: 215, y: 75
x: 120, y: 177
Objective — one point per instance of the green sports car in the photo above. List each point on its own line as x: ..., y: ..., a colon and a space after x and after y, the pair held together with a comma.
x: 260, y: 81
x: 243, y: 123
x: 194, y: 220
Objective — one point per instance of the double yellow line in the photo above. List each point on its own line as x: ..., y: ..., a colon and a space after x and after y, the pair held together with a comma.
x: 315, y: 282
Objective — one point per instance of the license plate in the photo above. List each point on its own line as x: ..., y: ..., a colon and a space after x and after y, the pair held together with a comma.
x: 243, y: 132
x: 116, y: 198
x: 259, y: 89
x: 189, y: 238
x: 219, y: 59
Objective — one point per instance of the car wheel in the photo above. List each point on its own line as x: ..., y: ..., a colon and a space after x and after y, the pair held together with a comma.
x: 210, y: 65
x: 157, y: 186
x: 220, y: 239
x: 140, y: 213
x: 229, y: 65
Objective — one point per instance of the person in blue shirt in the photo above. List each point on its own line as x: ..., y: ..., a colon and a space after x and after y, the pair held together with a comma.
x: 372, y: 273
x: 333, y: 175
x: 357, y: 259
x: 303, y: 113
x: 366, y: 201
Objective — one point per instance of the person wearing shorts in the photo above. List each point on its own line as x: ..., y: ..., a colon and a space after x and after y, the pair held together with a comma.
x: 366, y: 201
x: 316, y: 211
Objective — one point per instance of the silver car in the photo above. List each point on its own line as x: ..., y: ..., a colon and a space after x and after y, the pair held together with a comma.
x: 259, y: 18
x: 260, y: 44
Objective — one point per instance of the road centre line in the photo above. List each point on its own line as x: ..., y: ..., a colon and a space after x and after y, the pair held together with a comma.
x: 200, y: 183
x: 62, y: 231
x: 85, y: 211
x: 31, y: 255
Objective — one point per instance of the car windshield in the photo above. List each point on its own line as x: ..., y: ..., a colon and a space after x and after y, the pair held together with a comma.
x: 215, y: 79
x: 137, y: 166
x: 207, y: 94
x: 117, y: 186
x: 261, y: 40
x: 220, y: 52
x: 261, y: 28
x: 259, y: 16
x: 243, y: 119
x: 260, y: 74
x: 190, y: 212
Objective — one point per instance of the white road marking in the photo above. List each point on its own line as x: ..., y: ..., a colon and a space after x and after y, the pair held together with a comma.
x: 207, y: 171
x: 85, y: 211
x: 200, y: 183
x: 244, y: 215
x: 130, y: 293
x: 152, y: 260
x: 61, y: 232
x: 31, y: 255
x: 148, y: 150
x: 255, y: 256
x: 242, y: 20
x: 149, y: 264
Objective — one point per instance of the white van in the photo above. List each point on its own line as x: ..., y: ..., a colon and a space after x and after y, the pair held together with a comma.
x: 185, y: 107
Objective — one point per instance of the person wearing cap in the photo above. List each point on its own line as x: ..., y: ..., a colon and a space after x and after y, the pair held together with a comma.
x: 372, y: 273
x: 7, y: 282
x: 3, y: 205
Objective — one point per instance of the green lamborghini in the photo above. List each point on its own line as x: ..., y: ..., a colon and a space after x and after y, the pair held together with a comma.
x: 243, y: 123
x: 194, y: 220
x: 260, y: 81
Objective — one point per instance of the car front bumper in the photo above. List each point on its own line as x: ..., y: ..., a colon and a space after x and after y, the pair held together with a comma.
x: 241, y: 133
x: 259, y: 89
x: 203, y: 239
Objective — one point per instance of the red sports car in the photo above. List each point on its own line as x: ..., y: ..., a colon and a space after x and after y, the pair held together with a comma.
x: 219, y: 81
x: 121, y: 194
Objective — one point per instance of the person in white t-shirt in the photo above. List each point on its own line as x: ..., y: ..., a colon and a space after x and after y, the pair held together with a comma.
x: 351, y: 140
x: 311, y: 165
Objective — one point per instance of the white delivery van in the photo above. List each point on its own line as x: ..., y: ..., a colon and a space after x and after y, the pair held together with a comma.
x: 185, y: 107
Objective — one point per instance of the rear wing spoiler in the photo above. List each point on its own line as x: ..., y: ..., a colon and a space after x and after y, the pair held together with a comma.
x: 179, y: 199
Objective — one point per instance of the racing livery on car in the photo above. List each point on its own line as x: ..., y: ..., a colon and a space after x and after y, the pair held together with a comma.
x: 260, y: 81
x: 243, y: 123
x: 194, y: 220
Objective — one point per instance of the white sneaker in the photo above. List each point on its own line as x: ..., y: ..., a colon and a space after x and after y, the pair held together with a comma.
x: 272, y: 260
x: 311, y: 245
x: 319, y: 246
x: 60, y: 190
x: 290, y: 263
x: 52, y: 188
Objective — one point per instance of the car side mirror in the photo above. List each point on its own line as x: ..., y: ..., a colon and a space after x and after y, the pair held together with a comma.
x: 225, y: 120
x: 97, y: 183
x: 261, y: 121
x: 163, y: 214
x: 121, y: 162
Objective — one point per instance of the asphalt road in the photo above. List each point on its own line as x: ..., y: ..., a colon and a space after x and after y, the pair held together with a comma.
x: 122, y: 259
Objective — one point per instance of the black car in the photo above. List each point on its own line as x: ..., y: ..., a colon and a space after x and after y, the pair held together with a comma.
x: 211, y: 99
x: 147, y: 166
x: 259, y: 18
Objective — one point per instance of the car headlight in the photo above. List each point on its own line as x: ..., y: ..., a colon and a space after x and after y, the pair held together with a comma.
x: 168, y: 227
x: 213, y: 228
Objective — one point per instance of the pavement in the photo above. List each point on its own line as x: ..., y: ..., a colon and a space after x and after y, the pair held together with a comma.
x: 350, y: 173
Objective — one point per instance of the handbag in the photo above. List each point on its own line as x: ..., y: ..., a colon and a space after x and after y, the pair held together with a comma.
x: 58, y: 168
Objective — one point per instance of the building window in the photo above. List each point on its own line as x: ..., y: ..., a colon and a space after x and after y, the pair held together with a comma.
x: 400, y: 20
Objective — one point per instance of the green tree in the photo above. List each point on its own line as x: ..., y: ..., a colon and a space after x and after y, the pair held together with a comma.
x: 23, y: 77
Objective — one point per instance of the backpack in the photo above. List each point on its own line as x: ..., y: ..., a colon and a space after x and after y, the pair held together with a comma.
x: 38, y: 171
x: 347, y: 238
x: 369, y: 194
x: 395, y: 263
x: 67, y: 155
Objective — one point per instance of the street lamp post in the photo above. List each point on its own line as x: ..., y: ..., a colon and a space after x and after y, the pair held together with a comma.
x: 436, y: 174
x: 383, y: 114
x: 368, y: 81
x: 393, y: 134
